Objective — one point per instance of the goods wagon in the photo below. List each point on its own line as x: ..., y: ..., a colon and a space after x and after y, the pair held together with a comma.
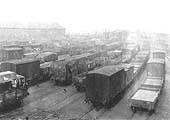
x: 147, y: 95
x: 101, y: 61
x: 13, y: 90
x: 139, y: 62
x: 104, y: 84
x: 128, y: 53
x: 63, y: 57
x: 62, y: 73
x: 160, y: 54
x: 141, y: 57
x: 115, y: 61
x: 146, y: 45
x: 114, y: 54
x: 11, y: 53
x: 45, y: 71
x: 137, y: 68
x: 79, y: 80
x: 29, y: 68
x: 87, y: 65
x: 129, y: 72
x: 153, y: 82
x: 47, y: 57
x: 114, y: 46
x: 30, y: 55
x: 144, y: 98
x: 156, y: 68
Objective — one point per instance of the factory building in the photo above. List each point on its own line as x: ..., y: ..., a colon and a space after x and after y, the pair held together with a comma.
x: 31, y: 32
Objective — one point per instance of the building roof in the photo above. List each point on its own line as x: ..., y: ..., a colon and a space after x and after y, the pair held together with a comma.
x: 10, y: 46
x: 12, y: 49
x: 106, y: 70
x: 32, y: 25
x: 21, y: 61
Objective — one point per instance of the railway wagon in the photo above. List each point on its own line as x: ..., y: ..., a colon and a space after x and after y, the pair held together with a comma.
x: 137, y: 68
x: 142, y: 56
x: 153, y: 82
x: 104, y: 84
x: 61, y: 73
x: 79, y: 80
x: 140, y: 62
x: 156, y: 68
x: 160, y: 54
x: 12, y: 90
x: 129, y: 72
x: 128, y: 54
x: 30, y: 68
x: 144, y: 98
x: 45, y: 71
x: 149, y: 92
x: 47, y: 57
x: 64, y: 71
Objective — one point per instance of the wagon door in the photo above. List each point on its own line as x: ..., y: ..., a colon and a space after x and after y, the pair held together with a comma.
x: 121, y: 76
x: 129, y: 75
x: 98, y: 87
x: 90, y: 86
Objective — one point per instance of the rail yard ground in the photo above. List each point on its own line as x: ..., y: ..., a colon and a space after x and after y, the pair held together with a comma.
x: 49, y: 102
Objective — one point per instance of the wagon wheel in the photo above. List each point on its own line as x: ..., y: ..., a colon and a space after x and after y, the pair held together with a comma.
x: 151, y: 112
x: 108, y: 104
x: 78, y: 88
x: 133, y: 109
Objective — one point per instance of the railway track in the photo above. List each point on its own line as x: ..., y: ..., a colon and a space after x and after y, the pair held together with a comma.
x: 71, y: 105
x: 162, y: 109
x: 42, y: 103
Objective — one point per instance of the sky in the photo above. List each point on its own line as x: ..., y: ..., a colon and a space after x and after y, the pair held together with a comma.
x: 83, y: 16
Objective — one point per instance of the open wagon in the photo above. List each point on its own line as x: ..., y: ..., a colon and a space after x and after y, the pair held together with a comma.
x: 144, y: 98
x: 153, y: 82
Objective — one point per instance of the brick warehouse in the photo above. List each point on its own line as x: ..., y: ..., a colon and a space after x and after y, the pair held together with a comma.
x: 31, y: 31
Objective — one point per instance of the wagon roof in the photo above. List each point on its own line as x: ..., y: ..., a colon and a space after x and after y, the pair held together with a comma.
x: 124, y: 65
x: 45, y: 54
x: 63, y: 57
x: 162, y: 51
x: 75, y: 57
x: 107, y: 70
x: 6, y: 72
x: 46, y: 65
x: 157, y: 60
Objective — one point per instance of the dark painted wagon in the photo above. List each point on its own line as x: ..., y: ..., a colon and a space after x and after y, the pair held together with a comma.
x: 104, y: 84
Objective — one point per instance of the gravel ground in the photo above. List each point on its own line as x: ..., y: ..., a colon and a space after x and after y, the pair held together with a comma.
x: 49, y: 102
